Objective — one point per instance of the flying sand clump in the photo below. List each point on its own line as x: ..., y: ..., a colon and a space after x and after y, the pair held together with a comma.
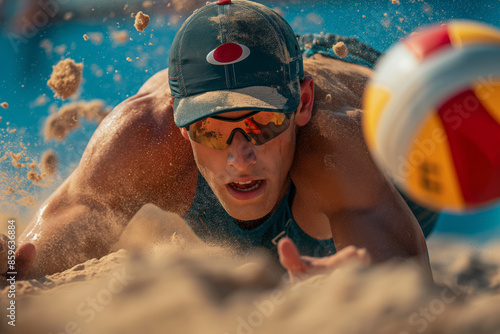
x: 49, y: 163
x: 61, y: 123
x: 141, y: 21
x: 340, y: 49
x: 65, y: 78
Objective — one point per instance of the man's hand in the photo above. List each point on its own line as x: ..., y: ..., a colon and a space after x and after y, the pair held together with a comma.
x: 24, y: 256
x: 302, y: 267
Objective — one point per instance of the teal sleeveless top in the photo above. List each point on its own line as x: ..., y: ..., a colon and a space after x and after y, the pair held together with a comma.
x: 208, y: 219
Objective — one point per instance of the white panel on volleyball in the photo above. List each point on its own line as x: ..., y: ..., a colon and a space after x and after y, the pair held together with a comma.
x: 421, y: 90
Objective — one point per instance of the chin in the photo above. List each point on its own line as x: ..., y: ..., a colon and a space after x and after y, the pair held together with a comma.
x: 249, y: 211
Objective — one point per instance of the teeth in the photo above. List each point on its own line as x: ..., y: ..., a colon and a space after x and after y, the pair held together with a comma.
x: 257, y: 185
x: 248, y: 182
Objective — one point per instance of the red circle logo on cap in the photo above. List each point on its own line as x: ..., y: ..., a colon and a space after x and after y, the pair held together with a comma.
x: 228, y: 53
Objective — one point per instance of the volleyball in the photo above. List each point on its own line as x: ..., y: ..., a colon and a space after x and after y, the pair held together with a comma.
x: 432, y: 115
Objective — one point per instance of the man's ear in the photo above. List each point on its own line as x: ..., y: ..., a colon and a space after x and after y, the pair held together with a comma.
x: 184, y: 133
x: 303, y: 114
x: 182, y: 130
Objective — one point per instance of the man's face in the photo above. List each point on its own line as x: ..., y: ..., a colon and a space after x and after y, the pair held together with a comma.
x: 248, y: 180
x: 251, y: 180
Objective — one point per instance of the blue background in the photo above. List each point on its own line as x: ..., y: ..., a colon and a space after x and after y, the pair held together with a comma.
x: 26, y: 67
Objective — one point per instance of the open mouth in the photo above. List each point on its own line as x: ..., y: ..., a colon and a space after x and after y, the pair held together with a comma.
x: 246, y: 186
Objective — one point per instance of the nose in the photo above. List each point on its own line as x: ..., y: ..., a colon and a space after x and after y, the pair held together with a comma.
x: 241, y: 153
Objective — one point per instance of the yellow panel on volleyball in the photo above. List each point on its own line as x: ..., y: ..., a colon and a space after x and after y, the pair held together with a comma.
x: 375, y: 100
x: 467, y: 33
x: 488, y: 93
x: 431, y: 175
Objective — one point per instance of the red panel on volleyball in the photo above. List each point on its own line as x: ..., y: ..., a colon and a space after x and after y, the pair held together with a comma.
x: 474, y: 139
x: 428, y: 41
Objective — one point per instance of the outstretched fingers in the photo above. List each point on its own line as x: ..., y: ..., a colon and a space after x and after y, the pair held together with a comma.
x: 290, y: 257
x: 345, y: 255
x: 301, y: 267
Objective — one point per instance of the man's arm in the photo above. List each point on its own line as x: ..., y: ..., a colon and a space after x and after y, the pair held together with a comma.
x: 72, y: 227
x: 136, y: 156
x: 363, y: 207
x: 334, y: 167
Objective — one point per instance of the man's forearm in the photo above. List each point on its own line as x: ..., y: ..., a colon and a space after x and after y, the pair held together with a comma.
x: 73, y: 236
x: 385, y: 232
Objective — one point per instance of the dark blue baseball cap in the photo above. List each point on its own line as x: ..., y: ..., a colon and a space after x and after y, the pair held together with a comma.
x: 234, y: 55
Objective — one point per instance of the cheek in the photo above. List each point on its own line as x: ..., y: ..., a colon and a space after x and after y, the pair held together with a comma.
x: 210, y: 162
x: 282, y: 153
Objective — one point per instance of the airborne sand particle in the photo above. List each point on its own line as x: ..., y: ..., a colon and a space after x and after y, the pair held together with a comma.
x: 96, y: 38
x: 65, y: 78
x: 34, y: 177
x: 120, y: 37
x: 49, y: 163
x: 340, y: 49
x: 58, y: 125
x: 68, y: 16
x: 141, y: 21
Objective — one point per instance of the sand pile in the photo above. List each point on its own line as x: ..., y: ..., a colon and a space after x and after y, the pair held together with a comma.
x: 181, y: 286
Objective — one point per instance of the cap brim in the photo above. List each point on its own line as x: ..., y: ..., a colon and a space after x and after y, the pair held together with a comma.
x: 285, y: 98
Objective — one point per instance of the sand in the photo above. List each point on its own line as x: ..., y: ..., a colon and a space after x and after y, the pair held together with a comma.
x: 340, y: 49
x: 65, y: 78
x: 120, y: 37
x: 141, y: 21
x: 49, y: 163
x: 176, y: 284
x: 67, y: 118
x: 96, y: 38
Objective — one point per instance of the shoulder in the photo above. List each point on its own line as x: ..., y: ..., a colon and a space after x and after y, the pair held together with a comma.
x: 331, y: 159
x: 141, y: 122
x: 132, y: 149
x: 337, y: 83
x: 338, y: 95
